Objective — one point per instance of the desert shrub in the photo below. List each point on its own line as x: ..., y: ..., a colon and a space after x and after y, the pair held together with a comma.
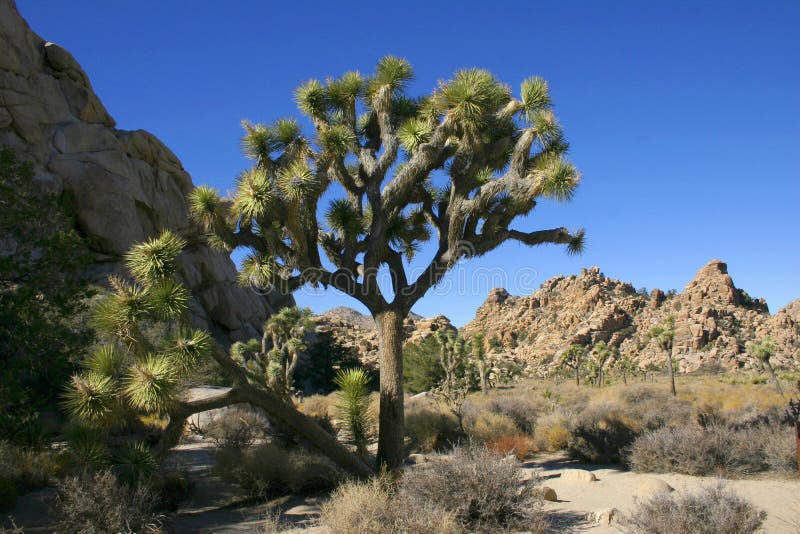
x: 779, y: 449
x: 23, y: 469
x: 696, y: 450
x: 317, y: 406
x: 485, y: 425
x: 478, y: 487
x: 237, y: 427
x: 520, y: 445
x: 600, y: 435
x: 713, y: 510
x: 317, y: 372
x: 375, y: 507
x: 99, y: 503
x: 431, y: 429
x: 552, y: 431
x: 522, y: 410
x: 268, y: 469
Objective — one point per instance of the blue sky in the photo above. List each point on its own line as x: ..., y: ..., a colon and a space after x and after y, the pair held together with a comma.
x: 684, y: 117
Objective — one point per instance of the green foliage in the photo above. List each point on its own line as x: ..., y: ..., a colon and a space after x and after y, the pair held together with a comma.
x: 324, y: 358
x: 763, y: 349
x: 421, y: 368
x: 42, y: 295
x: 353, y: 406
x: 135, y: 463
x: 147, y: 350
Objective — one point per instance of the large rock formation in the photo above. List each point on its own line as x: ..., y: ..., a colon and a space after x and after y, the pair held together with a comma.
x: 714, y: 320
x: 124, y: 185
x: 357, y: 332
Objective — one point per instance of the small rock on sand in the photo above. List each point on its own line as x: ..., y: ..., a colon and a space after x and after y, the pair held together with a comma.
x: 651, y: 486
x: 578, y: 475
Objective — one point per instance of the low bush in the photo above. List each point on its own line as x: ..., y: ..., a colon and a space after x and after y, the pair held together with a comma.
x: 522, y: 410
x: 374, y: 507
x: 485, y: 426
x: 713, y: 510
x: 520, y: 446
x: 431, y: 429
x: 479, y: 488
x: 24, y: 469
x: 474, y: 491
x: 268, y: 469
x: 99, y: 503
x: 600, y: 435
x: 552, y: 432
x: 237, y: 427
x: 713, y: 450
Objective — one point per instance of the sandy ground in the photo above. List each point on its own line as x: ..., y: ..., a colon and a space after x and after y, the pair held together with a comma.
x: 618, y: 489
x: 219, y: 507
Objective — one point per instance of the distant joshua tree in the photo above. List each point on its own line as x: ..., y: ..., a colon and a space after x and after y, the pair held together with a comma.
x: 481, y: 361
x: 455, y: 167
x: 764, y: 350
x: 602, y: 351
x: 573, y: 358
x: 664, y: 335
x: 626, y: 365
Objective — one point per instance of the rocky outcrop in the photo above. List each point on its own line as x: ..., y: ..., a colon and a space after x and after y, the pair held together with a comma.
x: 714, y: 321
x: 124, y: 186
x: 357, y: 332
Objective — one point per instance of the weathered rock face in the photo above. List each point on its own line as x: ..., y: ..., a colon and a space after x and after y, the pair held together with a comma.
x: 358, y: 332
x: 714, y: 320
x: 124, y: 186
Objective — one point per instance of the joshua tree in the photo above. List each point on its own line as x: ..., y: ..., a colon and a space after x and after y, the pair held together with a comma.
x: 455, y: 386
x: 481, y: 360
x: 286, y: 332
x: 626, y: 366
x: 148, y: 349
x: 462, y: 162
x: 573, y: 358
x: 664, y: 335
x: 602, y: 352
x: 764, y: 350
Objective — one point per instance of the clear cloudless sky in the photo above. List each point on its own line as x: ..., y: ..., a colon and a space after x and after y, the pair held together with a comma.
x: 683, y: 116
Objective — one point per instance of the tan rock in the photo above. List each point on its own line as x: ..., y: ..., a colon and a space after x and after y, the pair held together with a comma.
x: 578, y: 475
x: 606, y: 516
x: 652, y: 486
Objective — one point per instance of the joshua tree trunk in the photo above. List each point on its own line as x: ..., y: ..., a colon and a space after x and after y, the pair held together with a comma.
x: 577, y: 376
x: 483, y: 377
x: 775, y: 381
x: 390, y: 434
x: 671, y: 373
x: 797, y: 443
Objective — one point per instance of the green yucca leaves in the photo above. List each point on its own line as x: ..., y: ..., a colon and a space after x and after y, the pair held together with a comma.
x: 337, y: 140
x: 91, y: 398
x: 135, y: 462
x: 343, y: 217
x: 535, y: 95
x: 258, y: 141
x: 155, y: 258
x: 189, y: 347
x: 169, y: 299
x: 257, y: 271
x: 344, y: 91
x: 205, y: 205
x: 471, y: 96
x: 117, y: 313
x: 285, y: 131
x: 577, y: 243
x: 296, y: 182
x: 253, y: 193
x: 558, y: 178
x: 353, y: 405
x: 392, y: 72
x: 763, y: 350
x: 312, y: 99
x: 150, y: 384
x: 86, y: 447
x: 413, y: 133
x: 106, y: 361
